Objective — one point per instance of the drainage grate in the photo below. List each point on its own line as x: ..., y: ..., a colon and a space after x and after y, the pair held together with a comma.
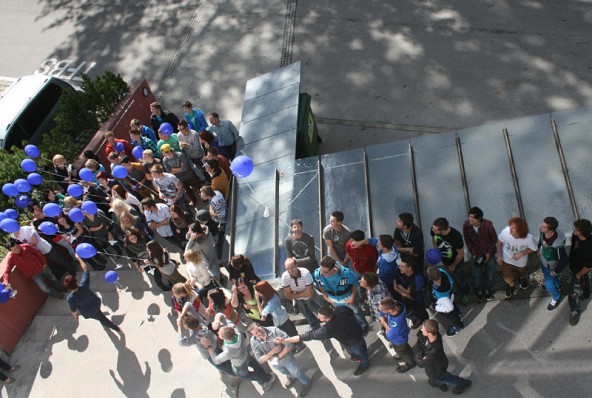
x: 289, y: 33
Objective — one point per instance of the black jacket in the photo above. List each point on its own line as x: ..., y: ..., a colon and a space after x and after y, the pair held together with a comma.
x: 342, y: 327
x: 431, y: 356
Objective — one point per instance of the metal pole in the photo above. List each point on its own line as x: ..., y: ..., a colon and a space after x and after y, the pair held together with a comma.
x: 513, y: 170
x: 276, y: 212
x: 463, y: 176
x: 368, y: 201
x: 233, y: 200
x: 570, y: 193
x: 414, y: 184
x: 320, y: 176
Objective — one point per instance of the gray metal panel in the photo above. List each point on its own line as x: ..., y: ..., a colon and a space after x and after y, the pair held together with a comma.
x: 254, y: 231
x: 269, y: 151
x: 439, y: 183
x: 391, y: 190
x: 273, y: 81
x: 270, y: 103
x: 345, y: 188
x: 488, y: 174
x: 299, y: 198
x: 538, y: 168
x: 574, y: 128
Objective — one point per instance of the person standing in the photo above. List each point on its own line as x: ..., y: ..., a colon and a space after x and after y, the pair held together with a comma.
x: 580, y: 263
x: 513, y: 247
x: 194, y: 117
x: 409, y: 240
x: 341, y: 325
x: 297, y: 283
x: 481, y: 240
x: 218, y: 209
x: 158, y: 219
x: 450, y: 243
x: 430, y: 355
x: 388, y: 261
x: 364, y: 255
x: 300, y: 246
x: 160, y: 116
x: 226, y: 133
x: 394, y: 320
x: 336, y: 235
x: 552, y: 258
x: 9, y: 369
x: 178, y: 165
x: 189, y: 143
x: 83, y: 301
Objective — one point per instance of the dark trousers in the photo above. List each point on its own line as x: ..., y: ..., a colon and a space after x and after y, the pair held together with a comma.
x: 6, y: 367
x: 229, y: 151
x: 99, y: 316
x: 452, y: 318
x: 406, y: 353
x: 580, y: 289
x: 191, y: 185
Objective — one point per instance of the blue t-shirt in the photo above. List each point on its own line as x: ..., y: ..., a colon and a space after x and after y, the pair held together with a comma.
x: 338, y: 286
x: 399, y: 330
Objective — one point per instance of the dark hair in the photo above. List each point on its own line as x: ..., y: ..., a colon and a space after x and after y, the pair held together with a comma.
x: 477, y: 212
x: 213, y: 163
x: 296, y: 221
x: 389, y: 303
x: 187, y: 104
x: 338, y: 215
x: 156, y: 251
x: 431, y: 326
x: 441, y: 223
x: 218, y: 299
x: 406, y: 219
x: 371, y: 279
x: 326, y: 311
x: 156, y: 105
x: 70, y: 282
x: 148, y: 202
x: 119, y: 190
x: 11, y: 243
x: 196, y: 227
x: 239, y: 262
x: 551, y: 222
x: 182, y: 123
x: 215, y: 115
x: 521, y: 226
x: 328, y: 262
x: 191, y: 322
x: 386, y: 241
x: 124, y: 159
x: 140, y: 235
x: 89, y: 154
x: 213, y: 150
x: 357, y: 235
x: 584, y: 226
x: 407, y: 259
x: 207, y: 136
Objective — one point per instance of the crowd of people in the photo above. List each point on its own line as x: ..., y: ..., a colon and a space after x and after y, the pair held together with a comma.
x: 176, y: 186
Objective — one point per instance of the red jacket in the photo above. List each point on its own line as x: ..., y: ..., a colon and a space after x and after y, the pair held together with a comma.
x: 29, y: 262
x: 127, y: 148
x: 364, y: 257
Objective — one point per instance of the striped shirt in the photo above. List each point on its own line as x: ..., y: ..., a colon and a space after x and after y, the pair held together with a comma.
x: 298, y: 284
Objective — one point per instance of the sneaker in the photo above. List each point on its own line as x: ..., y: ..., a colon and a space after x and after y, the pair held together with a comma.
x: 9, y: 380
x: 361, y: 369
x: 267, y: 385
x: 480, y: 296
x: 464, y: 298
x: 402, y: 368
x: 453, y: 330
x: 488, y: 295
x: 459, y: 390
x: 574, y: 319
x: 305, y: 389
x: 524, y: 284
x: 442, y: 387
x: 553, y: 304
x: 291, y: 381
x: 510, y: 292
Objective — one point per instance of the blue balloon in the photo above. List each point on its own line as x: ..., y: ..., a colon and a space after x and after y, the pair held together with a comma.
x: 86, y: 250
x: 4, y: 296
x: 3, y: 216
x: 111, y: 277
x: 11, y: 213
x: 52, y: 210
x: 76, y: 215
x: 34, y: 179
x: 86, y: 174
x: 29, y: 165
x: 32, y: 151
x: 242, y: 166
x: 434, y: 256
x: 89, y: 207
x: 75, y: 190
x: 48, y: 228
x: 9, y: 225
x: 119, y: 147
x: 119, y: 171
x: 9, y: 189
x: 22, y: 185
x: 138, y: 152
x: 165, y: 129
x: 22, y: 201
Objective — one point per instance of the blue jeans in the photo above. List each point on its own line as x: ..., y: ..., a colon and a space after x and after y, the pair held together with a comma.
x: 449, y: 378
x: 225, y: 367
x: 359, y: 351
x: 39, y: 280
x: 292, y: 370
x: 483, y: 275
x: 551, y: 282
x: 308, y: 308
x: 258, y: 374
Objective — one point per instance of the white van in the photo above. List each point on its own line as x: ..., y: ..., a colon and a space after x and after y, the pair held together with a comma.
x: 27, y: 109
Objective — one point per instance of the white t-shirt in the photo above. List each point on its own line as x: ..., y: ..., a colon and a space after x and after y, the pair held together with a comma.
x: 299, y: 284
x: 512, y: 245
x: 163, y: 213
x: 28, y: 232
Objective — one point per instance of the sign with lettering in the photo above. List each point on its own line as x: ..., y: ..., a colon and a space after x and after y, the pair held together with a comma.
x: 65, y: 69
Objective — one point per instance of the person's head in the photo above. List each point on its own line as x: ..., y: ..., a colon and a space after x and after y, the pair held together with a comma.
x: 135, y: 123
x: 327, y: 266
x: 206, y: 137
x: 212, y: 166
x: 296, y: 227
x: 369, y: 280
x: 197, y: 229
x: 58, y: 161
x: 134, y: 237
x: 13, y: 246
x: 110, y: 137
x: 549, y: 224
x: 37, y: 209
x: 176, y: 211
x: 155, y: 108
x: 70, y: 282
x: 406, y: 265
x: 265, y: 290
x: 227, y: 333
x: 405, y: 220
x: 88, y: 154
x: 475, y: 216
x: 167, y: 151
x: 187, y: 107
x: 385, y: 242
x: 127, y: 220
x: 119, y: 206
x: 126, y: 162
x: 191, y: 322
x: 49, y: 195
x: 440, y: 226
x: 336, y: 220
x: 239, y: 262
x: 70, y: 202
x: 183, y: 127
x: 148, y: 156
x: 157, y: 170
x: 155, y: 249
x: 148, y: 204
x: 582, y: 228
x: 212, y: 153
x: 62, y: 220
x: 113, y: 157
x: 244, y: 287
x: 206, y: 192
x: 257, y: 331
x: 214, y: 118
x: 429, y: 328
x: 357, y: 235
x: 518, y: 227
x: 119, y: 193
x: 434, y: 274
x: 218, y: 298
x: 291, y: 267
x: 135, y: 134
x: 102, y: 178
x: 389, y: 305
x: 325, y: 313
x: 203, y: 216
x: 181, y: 290
x: 92, y: 164
x: 192, y: 256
